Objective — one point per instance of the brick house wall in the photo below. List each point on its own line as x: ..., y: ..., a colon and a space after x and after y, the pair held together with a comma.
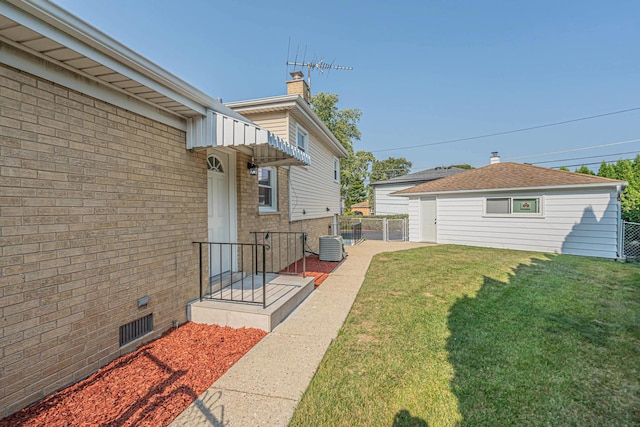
x: 250, y: 219
x: 98, y: 207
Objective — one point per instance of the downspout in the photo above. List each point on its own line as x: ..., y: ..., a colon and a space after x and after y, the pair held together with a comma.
x: 290, y: 193
x: 620, y: 236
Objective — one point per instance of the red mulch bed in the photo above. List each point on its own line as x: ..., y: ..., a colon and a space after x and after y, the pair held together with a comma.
x: 149, y: 387
x: 317, y: 269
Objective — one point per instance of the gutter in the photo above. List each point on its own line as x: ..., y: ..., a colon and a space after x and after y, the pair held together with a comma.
x: 496, y: 190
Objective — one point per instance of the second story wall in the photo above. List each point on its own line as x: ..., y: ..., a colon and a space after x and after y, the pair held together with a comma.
x: 313, y: 188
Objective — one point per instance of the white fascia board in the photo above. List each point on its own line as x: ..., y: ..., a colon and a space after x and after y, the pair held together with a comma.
x: 59, y: 25
x: 613, y: 185
x: 288, y: 102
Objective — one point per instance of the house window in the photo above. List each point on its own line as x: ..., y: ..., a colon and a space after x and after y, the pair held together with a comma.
x: 302, y: 139
x: 267, y: 189
x: 336, y: 169
x: 512, y: 206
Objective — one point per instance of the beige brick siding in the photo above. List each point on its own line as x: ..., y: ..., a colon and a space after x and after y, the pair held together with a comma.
x: 98, y: 207
x: 250, y: 219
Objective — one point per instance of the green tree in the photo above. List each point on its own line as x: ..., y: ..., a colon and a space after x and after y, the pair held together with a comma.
x: 353, y: 176
x: 626, y: 170
x: 585, y: 170
x: 342, y: 123
x: 389, y: 168
x: 564, y: 168
x: 606, y: 170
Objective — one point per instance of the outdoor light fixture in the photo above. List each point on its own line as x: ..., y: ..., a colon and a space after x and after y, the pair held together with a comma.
x: 253, y: 168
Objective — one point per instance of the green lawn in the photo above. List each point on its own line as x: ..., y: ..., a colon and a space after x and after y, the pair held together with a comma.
x: 453, y: 335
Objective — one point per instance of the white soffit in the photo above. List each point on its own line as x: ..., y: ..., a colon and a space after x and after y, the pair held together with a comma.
x: 72, y: 49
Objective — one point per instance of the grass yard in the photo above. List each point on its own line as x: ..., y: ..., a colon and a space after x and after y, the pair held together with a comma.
x: 453, y: 335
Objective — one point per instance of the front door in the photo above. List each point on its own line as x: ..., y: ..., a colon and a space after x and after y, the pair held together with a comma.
x: 428, y: 220
x: 219, y: 212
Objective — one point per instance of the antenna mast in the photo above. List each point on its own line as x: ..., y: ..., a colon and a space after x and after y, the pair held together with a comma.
x: 319, y: 65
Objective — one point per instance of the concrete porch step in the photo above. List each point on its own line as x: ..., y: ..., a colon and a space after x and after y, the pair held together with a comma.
x: 284, y: 294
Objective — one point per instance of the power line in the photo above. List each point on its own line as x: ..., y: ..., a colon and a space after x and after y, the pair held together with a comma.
x: 575, y: 149
x: 508, y: 131
x: 586, y: 157
x: 588, y: 164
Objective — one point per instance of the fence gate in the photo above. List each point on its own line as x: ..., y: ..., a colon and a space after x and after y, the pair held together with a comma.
x: 631, y: 239
x: 384, y: 229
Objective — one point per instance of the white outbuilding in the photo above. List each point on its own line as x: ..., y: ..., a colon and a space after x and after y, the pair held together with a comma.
x: 385, y: 204
x: 519, y: 206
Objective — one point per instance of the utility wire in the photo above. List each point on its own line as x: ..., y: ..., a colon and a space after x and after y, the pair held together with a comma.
x: 586, y: 157
x: 574, y: 149
x: 589, y: 164
x: 508, y: 131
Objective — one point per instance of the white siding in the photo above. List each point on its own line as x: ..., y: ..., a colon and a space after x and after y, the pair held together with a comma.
x: 312, y: 188
x: 413, y: 209
x: 275, y: 122
x: 579, y: 222
x: 384, y: 204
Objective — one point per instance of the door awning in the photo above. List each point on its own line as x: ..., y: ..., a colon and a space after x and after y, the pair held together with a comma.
x: 267, y: 149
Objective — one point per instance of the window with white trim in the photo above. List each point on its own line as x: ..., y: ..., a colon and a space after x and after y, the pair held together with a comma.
x: 336, y: 169
x: 302, y: 138
x: 512, y: 206
x: 268, y: 189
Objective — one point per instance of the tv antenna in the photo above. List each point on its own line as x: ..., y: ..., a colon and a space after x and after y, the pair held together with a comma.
x: 315, y: 64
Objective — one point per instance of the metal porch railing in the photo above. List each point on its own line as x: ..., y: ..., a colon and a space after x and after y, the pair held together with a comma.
x: 234, y: 272
x: 286, y: 251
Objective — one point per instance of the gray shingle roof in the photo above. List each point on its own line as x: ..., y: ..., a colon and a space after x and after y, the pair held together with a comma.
x: 422, y: 176
x: 508, y: 175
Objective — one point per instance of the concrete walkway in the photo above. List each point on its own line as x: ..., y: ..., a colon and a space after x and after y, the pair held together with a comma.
x: 264, y: 387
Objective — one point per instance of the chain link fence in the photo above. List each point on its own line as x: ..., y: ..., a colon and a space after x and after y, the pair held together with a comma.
x: 631, y: 239
x: 385, y: 229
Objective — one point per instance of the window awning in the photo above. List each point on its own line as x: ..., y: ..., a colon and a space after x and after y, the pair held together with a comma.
x: 267, y: 149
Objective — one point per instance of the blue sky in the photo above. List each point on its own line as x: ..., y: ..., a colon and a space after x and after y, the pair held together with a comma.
x: 423, y: 71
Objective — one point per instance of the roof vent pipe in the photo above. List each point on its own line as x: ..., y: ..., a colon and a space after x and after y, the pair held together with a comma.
x: 494, y: 157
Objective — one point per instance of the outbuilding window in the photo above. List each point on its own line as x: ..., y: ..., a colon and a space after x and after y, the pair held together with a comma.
x: 512, y: 206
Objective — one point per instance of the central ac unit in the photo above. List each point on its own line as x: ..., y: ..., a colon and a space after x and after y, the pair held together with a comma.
x: 331, y: 248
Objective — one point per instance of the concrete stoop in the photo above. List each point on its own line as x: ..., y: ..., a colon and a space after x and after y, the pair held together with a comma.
x: 284, y: 294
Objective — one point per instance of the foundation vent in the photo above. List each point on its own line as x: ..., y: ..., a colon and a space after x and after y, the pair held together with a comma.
x: 134, y: 330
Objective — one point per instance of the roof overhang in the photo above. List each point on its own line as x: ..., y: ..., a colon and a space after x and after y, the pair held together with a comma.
x: 267, y: 149
x: 38, y: 33
x: 49, y: 32
x: 617, y: 185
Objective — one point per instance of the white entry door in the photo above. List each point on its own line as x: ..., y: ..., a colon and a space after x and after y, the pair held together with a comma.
x: 219, y: 213
x: 428, y: 220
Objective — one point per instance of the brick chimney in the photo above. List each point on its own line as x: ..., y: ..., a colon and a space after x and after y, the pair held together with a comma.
x: 494, y: 157
x: 297, y: 86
